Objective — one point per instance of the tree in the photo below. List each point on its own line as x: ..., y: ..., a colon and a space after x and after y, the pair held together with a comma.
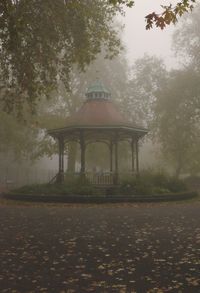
x: 177, y: 121
x: 146, y: 77
x: 40, y: 40
x: 177, y: 108
x: 186, y: 40
x: 17, y: 139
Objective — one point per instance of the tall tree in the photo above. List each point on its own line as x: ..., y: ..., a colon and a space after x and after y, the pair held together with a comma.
x: 177, y: 121
x: 146, y: 77
x: 186, y: 40
x: 40, y: 40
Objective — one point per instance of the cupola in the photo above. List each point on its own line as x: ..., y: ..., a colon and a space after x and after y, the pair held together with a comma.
x: 97, y: 91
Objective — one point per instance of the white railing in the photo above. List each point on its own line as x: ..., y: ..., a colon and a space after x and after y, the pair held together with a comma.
x: 104, y: 178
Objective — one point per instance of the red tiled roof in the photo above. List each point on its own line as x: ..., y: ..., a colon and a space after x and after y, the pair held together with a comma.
x: 97, y: 112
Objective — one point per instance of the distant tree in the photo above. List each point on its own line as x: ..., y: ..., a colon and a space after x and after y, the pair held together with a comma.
x: 18, y: 139
x: 186, y: 40
x: 177, y: 121
x: 147, y: 75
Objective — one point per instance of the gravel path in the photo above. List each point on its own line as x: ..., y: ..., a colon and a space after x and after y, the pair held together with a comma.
x: 105, y: 248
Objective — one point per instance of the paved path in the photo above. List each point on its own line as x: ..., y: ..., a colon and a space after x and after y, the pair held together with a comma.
x: 113, y: 248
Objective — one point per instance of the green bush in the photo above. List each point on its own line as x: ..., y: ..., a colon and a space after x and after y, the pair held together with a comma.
x: 73, y: 186
x: 148, y: 183
x: 176, y: 185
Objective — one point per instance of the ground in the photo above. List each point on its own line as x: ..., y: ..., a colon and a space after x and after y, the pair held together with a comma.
x: 100, y: 248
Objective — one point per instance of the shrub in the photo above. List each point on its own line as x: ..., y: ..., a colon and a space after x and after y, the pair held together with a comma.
x: 149, y: 183
x: 74, y: 186
x: 176, y: 185
x: 137, y: 186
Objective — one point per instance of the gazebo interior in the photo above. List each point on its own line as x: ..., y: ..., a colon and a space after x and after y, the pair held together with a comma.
x: 99, y: 120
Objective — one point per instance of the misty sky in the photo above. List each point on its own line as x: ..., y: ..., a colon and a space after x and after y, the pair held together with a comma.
x: 138, y: 40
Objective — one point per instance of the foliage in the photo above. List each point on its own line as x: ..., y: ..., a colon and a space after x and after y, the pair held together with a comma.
x: 169, y: 14
x: 41, y: 40
x: 186, y: 40
x: 24, y: 141
x: 152, y: 183
x: 176, y: 113
x: 147, y: 184
x: 177, y: 119
x: 71, y: 187
x: 147, y: 76
x: 63, y: 102
x: 16, y: 138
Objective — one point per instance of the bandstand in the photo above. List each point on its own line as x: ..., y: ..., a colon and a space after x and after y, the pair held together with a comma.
x: 99, y: 120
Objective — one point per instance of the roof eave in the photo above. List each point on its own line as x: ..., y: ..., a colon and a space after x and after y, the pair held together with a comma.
x: 63, y: 130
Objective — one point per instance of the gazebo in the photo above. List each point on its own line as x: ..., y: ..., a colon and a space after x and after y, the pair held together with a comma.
x: 99, y: 120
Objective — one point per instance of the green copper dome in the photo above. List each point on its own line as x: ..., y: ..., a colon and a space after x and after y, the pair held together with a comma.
x: 97, y: 91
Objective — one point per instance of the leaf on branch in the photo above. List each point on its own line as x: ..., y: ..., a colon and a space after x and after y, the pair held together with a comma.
x: 169, y: 15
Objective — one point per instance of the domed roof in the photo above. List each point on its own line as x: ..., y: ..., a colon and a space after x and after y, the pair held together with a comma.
x: 97, y: 91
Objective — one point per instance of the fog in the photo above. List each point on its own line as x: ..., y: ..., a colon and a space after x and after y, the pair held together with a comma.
x: 139, y: 41
x: 145, y: 81
x: 99, y: 147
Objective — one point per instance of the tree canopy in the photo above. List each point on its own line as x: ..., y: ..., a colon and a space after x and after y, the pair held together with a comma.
x: 186, y: 40
x: 40, y: 40
x: 147, y: 76
x: 177, y: 119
